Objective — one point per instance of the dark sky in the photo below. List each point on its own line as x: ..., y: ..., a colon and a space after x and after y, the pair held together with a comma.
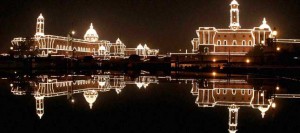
x: 165, y: 24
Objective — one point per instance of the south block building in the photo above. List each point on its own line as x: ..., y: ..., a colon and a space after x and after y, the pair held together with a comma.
x: 90, y: 45
x: 233, y: 40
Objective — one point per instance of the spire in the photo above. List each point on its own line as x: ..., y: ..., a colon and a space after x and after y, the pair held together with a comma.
x: 264, y: 21
x: 91, y: 27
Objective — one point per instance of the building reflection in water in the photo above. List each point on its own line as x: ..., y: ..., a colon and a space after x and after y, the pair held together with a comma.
x: 90, y: 86
x: 233, y: 94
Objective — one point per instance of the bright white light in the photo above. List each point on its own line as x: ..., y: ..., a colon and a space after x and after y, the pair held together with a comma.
x: 73, y: 32
x: 273, y: 105
x: 248, y: 61
x: 278, y: 48
x: 274, y: 33
x: 278, y: 88
x: 214, y: 60
x: 214, y: 74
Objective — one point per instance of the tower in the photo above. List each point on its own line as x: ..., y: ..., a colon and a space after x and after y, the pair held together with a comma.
x: 40, y: 26
x: 233, y: 118
x: 39, y: 101
x: 234, y: 16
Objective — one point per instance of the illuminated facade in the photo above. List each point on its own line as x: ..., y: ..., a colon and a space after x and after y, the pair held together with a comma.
x: 235, y: 40
x: 232, y: 94
x: 91, y: 45
x: 90, y: 87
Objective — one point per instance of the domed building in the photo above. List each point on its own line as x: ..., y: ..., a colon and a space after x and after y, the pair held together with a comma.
x: 90, y: 45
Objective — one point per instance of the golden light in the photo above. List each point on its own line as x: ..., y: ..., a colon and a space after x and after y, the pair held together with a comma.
x: 214, y: 60
x: 73, y: 32
x: 214, y: 74
x: 274, y: 33
x: 278, y: 88
x: 248, y: 61
x: 11, y: 48
x: 273, y: 105
x: 278, y: 49
x: 73, y: 101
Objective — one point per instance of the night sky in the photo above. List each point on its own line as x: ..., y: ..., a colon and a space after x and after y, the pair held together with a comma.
x: 165, y: 24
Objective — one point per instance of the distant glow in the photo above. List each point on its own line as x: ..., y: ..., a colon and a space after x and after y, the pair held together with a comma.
x: 11, y: 85
x: 214, y: 60
x: 274, y: 33
x: 11, y: 48
x: 214, y: 74
x: 273, y: 105
x: 262, y: 94
x: 73, y: 32
x: 73, y: 101
x: 278, y: 48
x: 278, y: 88
x: 248, y: 61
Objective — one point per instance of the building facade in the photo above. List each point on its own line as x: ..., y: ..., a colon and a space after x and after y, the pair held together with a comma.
x: 91, y: 45
x: 233, y: 40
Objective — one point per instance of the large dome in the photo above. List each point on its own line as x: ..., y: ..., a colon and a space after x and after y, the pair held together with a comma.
x: 91, y: 34
x: 90, y: 96
x: 264, y: 25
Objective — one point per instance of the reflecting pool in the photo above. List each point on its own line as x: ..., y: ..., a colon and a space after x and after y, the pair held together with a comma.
x: 118, y: 102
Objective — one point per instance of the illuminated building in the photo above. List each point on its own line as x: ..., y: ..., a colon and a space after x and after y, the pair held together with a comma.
x: 91, y: 45
x: 232, y: 94
x: 49, y: 87
x: 234, y: 40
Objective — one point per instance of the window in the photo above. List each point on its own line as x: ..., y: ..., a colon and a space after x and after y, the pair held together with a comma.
x: 225, y: 42
x: 250, y: 42
x: 219, y: 42
x: 224, y: 91
x: 244, y: 42
x: 234, y: 42
x: 206, y: 50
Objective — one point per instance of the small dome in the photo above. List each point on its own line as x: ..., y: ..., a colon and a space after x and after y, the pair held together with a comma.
x: 102, y: 83
x: 234, y: 2
x: 139, y: 85
x: 102, y: 48
x: 140, y: 46
x: 90, y: 96
x: 264, y: 25
x: 119, y: 41
x: 146, y: 47
x: 263, y: 110
x: 91, y: 34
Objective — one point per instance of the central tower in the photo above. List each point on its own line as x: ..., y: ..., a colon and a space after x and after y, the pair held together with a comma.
x: 234, y: 16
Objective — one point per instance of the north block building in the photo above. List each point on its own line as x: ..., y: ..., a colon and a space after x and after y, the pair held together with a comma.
x: 233, y: 40
x: 91, y: 45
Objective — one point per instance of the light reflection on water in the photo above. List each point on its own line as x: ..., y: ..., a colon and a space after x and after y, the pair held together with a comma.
x: 234, y: 93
